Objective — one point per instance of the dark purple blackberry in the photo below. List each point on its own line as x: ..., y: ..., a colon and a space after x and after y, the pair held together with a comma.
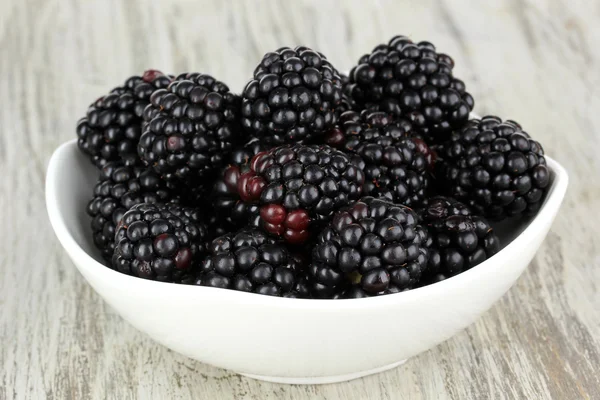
x: 495, y: 168
x: 111, y: 129
x: 118, y: 189
x: 193, y: 126
x: 373, y: 247
x: 230, y: 213
x: 396, y: 164
x: 160, y: 242
x: 299, y: 186
x: 412, y: 80
x: 460, y: 239
x: 250, y: 261
x: 293, y: 96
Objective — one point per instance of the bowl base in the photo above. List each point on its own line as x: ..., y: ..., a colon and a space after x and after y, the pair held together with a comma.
x: 320, y: 380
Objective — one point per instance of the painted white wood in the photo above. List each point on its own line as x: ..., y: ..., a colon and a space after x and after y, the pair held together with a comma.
x: 534, y: 61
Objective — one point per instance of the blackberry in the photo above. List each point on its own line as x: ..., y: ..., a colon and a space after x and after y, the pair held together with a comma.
x: 375, y: 244
x: 414, y: 81
x: 230, y: 212
x: 119, y: 188
x: 396, y: 163
x: 495, y: 168
x: 193, y: 126
x: 460, y: 239
x: 112, y: 126
x: 250, y: 261
x: 160, y: 242
x: 299, y: 186
x: 293, y: 96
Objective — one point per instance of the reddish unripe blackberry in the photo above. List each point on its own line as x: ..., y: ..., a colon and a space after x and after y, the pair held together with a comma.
x: 250, y: 261
x: 460, y: 239
x: 412, y: 80
x: 230, y: 213
x: 192, y: 127
x: 495, y: 168
x: 396, y: 163
x: 298, y: 186
x: 118, y: 189
x: 293, y: 96
x: 111, y: 129
x: 160, y: 242
x: 374, y: 244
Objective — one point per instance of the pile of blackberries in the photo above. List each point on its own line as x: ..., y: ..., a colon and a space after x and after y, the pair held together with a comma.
x: 310, y: 183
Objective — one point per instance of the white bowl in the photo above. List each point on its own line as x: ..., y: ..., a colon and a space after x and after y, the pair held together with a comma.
x: 290, y: 340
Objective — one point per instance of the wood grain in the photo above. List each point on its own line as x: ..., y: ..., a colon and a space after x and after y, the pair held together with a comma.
x: 533, y: 61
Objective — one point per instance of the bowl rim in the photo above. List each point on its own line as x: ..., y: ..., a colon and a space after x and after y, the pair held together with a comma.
x: 549, y: 207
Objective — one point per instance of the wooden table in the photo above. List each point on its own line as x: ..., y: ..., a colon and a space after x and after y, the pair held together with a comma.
x: 533, y: 61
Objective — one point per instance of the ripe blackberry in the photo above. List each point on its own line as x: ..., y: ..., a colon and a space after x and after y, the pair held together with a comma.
x: 112, y: 126
x: 250, y: 261
x: 160, y: 242
x: 298, y: 186
x: 119, y: 188
x: 230, y: 213
x: 495, y: 168
x: 396, y: 163
x: 193, y: 126
x: 460, y: 239
x: 414, y: 81
x: 293, y: 96
x: 375, y: 244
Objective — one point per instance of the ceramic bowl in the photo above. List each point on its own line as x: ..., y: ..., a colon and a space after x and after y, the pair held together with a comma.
x: 290, y: 340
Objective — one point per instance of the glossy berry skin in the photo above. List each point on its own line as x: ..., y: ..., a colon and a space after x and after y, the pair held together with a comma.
x: 460, y: 239
x: 118, y: 189
x: 250, y: 261
x: 292, y: 98
x: 230, y: 213
x: 112, y: 126
x: 192, y: 127
x: 412, y: 80
x: 347, y: 103
x: 495, y: 168
x: 371, y: 248
x: 160, y: 242
x: 396, y: 163
x: 299, y: 186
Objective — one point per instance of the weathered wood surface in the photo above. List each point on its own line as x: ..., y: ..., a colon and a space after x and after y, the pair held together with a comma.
x: 533, y: 61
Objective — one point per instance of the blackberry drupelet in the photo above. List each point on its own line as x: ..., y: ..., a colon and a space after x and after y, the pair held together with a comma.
x: 347, y: 103
x: 250, y: 261
x: 192, y: 127
x: 119, y: 188
x: 160, y: 242
x: 230, y: 213
x: 298, y: 187
x: 460, y: 239
x: 292, y: 98
x: 414, y: 81
x: 396, y: 163
x: 111, y: 129
x: 345, y: 79
x: 495, y: 168
x: 374, y: 244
